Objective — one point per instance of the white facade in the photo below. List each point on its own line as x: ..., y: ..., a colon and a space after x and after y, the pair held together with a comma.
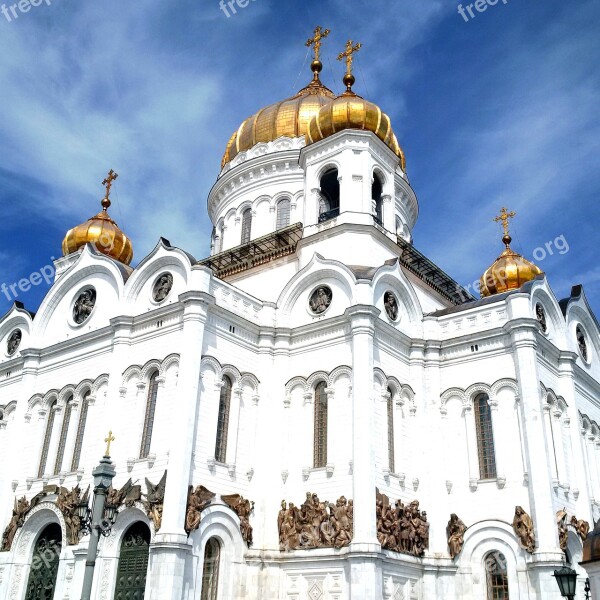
x: 256, y: 327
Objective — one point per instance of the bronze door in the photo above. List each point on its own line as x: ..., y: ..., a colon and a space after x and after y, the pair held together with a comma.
x: 44, y: 564
x: 133, y: 563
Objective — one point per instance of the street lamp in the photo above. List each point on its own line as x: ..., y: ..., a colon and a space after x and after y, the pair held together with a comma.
x: 567, y: 581
x: 100, y: 519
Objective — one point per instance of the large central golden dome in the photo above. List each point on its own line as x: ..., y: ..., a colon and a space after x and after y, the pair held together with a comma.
x: 289, y: 118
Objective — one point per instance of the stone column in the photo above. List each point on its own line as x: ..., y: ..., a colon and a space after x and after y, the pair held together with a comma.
x: 388, y: 213
x: 170, y: 550
x: 471, y: 431
x: 366, y: 579
x: 499, y: 444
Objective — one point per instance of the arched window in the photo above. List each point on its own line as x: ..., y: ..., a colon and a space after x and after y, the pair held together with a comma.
x: 320, y: 428
x: 47, y: 438
x: 64, y: 430
x: 329, y: 197
x: 246, y: 225
x: 46, y: 554
x: 210, y: 571
x: 496, y: 576
x: 390, y: 430
x: 133, y: 563
x: 223, y: 420
x: 149, y: 417
x: 283, y: 213
x: 219, y: 240
x: 377, y: 199
x: 485, y: 437
x: 83, y: 412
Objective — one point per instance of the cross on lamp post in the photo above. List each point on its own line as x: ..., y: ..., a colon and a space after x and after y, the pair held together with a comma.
x: 100, y: 519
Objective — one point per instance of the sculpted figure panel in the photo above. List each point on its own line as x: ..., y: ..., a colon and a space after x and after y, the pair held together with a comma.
x: 523, y: 526
x: 402, y: 528
x: 153, y: 500
x: 242, y: 509
x: 84, y: 305
x: 20, y: 509
x: 315, y: 524
x: 456, y: 535
x: 198, y: 500
x: 67, y: 502
x: 582, y: 527
x: 128, y: 495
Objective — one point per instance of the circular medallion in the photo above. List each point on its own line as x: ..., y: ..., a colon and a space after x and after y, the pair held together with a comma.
x: 391, y: 305
x: 162, y: 287
x: 320, y: 299
x: 540, y: 315
x: 581, y: 342
x: 13, y: 342
x: 84, y: 305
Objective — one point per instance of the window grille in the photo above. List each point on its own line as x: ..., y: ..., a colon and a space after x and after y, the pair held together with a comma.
x: 320, y: 428
x: 485, y: 438
x: 497, y: 576
x: 246, y: 225
x: 223, y: 420
x: 64, y: 430
x: 390, y: 431
x: 210, y: 571
x: 149, y: 417
x: 83, y: 412
x: 47, y: 438
x: 283, y: 213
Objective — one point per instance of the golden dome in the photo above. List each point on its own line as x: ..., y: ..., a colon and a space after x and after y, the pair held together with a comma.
x: 101, y: 231
x: 510, y: 270
x: 289, y: 118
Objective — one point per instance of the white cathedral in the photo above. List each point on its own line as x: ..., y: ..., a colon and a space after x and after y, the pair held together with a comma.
x: 314, y: 412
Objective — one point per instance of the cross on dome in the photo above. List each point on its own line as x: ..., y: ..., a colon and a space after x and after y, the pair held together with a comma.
x: 315, y: 42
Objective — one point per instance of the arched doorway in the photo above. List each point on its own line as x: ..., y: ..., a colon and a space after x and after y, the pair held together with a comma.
x: 133, y: 563
x: 210, y: 570
x: 44, y: 564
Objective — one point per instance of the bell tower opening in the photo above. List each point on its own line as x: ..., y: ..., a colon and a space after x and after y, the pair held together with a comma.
x: 329, y: 196
x: 377, y: 199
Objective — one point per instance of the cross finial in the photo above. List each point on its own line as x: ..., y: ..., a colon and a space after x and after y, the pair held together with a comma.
x: 503, y: 218
x: 108, y: 440
x: 109, y: 181
x: 348, y: 55
x: 315, y: 42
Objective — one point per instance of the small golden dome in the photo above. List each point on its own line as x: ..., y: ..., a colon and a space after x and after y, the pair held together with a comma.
x: 289, y: 118
x: 510, y: 270
x: 101, y: 231
x: 350, y: 111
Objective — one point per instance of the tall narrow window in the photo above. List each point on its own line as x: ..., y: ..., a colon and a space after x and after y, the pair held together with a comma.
x: 329, y: 196
x: 47, y: 438
x: 376, y: 197
x: 485, y: 438
x: 320, y: 428
x: 210, y: 571
x: 496, y: 576
x: 390, y: 431
x: 246, y: 225
x: 149, y: 416
x: 64, y: 430
x: 283, y: 213
x: 223, y: 420
x: 83, y: 412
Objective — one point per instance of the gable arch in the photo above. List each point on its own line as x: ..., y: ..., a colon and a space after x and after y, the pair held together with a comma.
x: 505, y: 383
x: 450, y: 393
x: 316, y: 378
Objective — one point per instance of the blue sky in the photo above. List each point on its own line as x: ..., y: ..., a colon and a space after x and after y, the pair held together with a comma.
x: 502, y: 109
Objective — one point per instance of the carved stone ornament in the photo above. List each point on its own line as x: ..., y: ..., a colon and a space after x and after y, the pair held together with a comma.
x: 153, y: 500
x: 582, y: 527
x: 540, y: 315
x: 242, y: 509
x: 391, y: 305
x: 581, y: 342
x: 67, y: 502
x: 13, y: 342
x: 315, y: 524
x: 162, y: 287
x: 523, y: 526
x: 20, y: 509
x: 84, y: 305
x: 401, y: 528
x: 563, y: 532
x: 198, y: 500
x: 128, y: 495
x: 456, y: 535
x: 320, y: 299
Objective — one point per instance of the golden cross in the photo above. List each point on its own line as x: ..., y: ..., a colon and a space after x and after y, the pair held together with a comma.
x: 348, y: 55
x: 315, y: 41
x: 504, y: 217
x: 108, y: 440
x: 109, y: 181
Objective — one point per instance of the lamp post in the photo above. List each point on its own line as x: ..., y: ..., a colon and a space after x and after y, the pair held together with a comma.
x: 567, y: 582
x: 100, y: 519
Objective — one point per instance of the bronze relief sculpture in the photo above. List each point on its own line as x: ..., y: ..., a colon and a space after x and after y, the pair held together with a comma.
x: 128, y: 495
x: 456, y: 535
x: 563, y: 532
x: 581, y: 342
x: 315, y: 524
x: 540, y: 315
x: 67, y: 502
x: 162, y: 287
x: 320, y: 299
x: 84, y: 305
x: 391, y: 305
x: 582, y: 527
x: 523, y: 526
x: 13, y: 342
x: 402, y: 528
x: 153, y: 500
x: 198, y: 500
x: 242, y: 508
x: 20, y: 509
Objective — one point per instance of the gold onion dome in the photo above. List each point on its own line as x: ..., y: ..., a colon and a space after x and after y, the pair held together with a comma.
x: 288, y: 118
x: 510, y: 270
x: 350, y: 111
x: 102, y: 232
